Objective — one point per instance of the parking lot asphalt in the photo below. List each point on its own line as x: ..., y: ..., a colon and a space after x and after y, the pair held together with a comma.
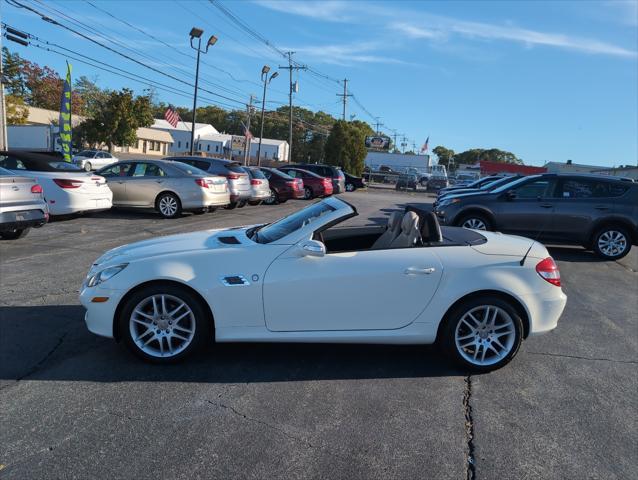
x: 77, y: 406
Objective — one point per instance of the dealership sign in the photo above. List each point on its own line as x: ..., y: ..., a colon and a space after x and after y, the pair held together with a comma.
x: 238, y: 142
x: 378, y: 142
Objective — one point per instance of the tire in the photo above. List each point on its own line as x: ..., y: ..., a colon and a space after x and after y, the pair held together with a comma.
x: 212, y: 209
x: 88, y: 167
x: 194, y: 327
x: 254, y: 203
x: 466, y: 333
x: 350, y: 187
x: 200, y: 211
x: 14, y: 234
x: 611, y: 242
x: 241, y: 204
x: 231, y: 206
x: 308, y: 194
x: 424, y: 183
x: 168, y: 205
x: 475, y: 221
x: 273, y: 199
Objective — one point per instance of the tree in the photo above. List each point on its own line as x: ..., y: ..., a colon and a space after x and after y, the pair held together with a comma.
x: 116, y: 120
x: 92, y: 95
x: 13, y: 75
x: 345, y: 146
x: 17, y: 112
x: 444, y: 155
x: 475, y: 155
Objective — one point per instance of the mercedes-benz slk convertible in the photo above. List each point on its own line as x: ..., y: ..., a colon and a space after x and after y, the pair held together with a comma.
x: 308, y: 278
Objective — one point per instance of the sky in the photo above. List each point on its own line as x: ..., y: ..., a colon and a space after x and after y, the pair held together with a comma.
x: 546, y: 80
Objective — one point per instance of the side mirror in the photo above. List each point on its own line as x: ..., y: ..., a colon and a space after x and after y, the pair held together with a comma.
x: 312, y: 248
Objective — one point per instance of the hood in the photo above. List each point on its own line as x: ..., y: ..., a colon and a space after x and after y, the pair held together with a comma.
x: 510, y: 245
x: 174, y: 244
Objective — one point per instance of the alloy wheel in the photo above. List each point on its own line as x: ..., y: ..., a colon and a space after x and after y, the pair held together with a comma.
x: 612, y: 243
x: 307, y: 193
x: 168, y: 205
x: 349, y: 187
x: 474, y: 224
x: 162, y: 325
x: 485, y: 335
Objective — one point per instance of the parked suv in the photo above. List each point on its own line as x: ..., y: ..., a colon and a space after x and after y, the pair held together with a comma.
x: 598, y: 212
x: 238, y: 180
x: 329, y: 171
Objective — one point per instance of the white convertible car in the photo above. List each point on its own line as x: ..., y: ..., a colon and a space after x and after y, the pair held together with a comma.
x: 305, y: 279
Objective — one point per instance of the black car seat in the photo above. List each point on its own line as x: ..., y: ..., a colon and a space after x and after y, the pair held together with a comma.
x: 430, y: 228
x: 392, y: 232
x: 410, y: 235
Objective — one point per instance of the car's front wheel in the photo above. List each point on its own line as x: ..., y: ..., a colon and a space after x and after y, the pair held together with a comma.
x: 164, y: 323
x: 482, y: 333
x: 612, y: 243
x: 273, y: 199
x: 475, y: 222
x: 307, y: 193
x: 350, y: 187
x: 14, y: 234
x: 88, y: 167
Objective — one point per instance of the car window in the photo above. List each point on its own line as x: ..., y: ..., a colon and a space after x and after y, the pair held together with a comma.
x: 233, y: 167
x: 118, y: 170
x: 583, y: 188
x: 287, y: 225
x: 513, y: 184
x: 5, y: 172
x: 153, y: 170
x: 255, y: 173
x: 189, y: 169
x: 11, y: 163
x: 139, y: 169
x: 266, y: 173
x: 538, y: 188
x: 202, y: 165
x: 85, y: 153
x: 291, y: 173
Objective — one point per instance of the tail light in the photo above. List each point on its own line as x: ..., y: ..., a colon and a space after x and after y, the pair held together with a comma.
x: 254, y: 181
x: 66, y: 183
x: 548, y: 269
x: 36, y: 188
x: 201, y: 182
x: 327, y: 182
x: 233, y: 176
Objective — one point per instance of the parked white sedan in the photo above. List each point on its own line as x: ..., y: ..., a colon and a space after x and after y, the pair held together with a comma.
x: 304, y: 279
x: 66, y: 188
x: 93, y: 159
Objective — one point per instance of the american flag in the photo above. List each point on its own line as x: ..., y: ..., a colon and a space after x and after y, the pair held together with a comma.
x: 425, y: 146
x: 247, y: 133
x: 171, y: 116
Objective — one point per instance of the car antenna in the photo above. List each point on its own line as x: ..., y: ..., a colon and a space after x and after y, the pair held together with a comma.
x: 538, y: 235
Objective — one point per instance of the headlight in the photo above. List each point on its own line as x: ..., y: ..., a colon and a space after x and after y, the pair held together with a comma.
x: 103, y: 275
x: 448, y: 201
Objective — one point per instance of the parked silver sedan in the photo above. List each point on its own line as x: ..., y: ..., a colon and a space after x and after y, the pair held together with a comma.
x: 168, y: 187
x: 93, y: 159
x: 22, y: 205
x: 258, y: 184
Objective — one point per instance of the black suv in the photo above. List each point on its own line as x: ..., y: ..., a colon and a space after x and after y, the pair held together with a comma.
x: 598, y: 212
x: 328, y: 171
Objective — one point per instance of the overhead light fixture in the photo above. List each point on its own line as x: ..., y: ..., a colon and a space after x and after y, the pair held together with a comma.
x: 196, y: 32
x: 265, y: 69
x: 274, y: 75
x: 212, y: 40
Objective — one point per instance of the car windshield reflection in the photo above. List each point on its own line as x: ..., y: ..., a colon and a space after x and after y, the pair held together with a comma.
x: 295, y: 221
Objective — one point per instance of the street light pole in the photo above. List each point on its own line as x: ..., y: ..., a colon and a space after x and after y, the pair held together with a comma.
x: 196, y: 33
x: 264, y: 78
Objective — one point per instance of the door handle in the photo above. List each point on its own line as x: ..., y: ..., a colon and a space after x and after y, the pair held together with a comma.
x: 546, y: 205
x: 419, y: 271
x: 601, y: 207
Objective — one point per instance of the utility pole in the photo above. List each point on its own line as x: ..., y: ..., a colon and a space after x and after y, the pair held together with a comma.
x: 344, y: 98
x: 378, y: 124
x: 290, y: 68
x: 3, y: 110
x: 394, y: 137
x: 403, y: 143
x: 247, y: 133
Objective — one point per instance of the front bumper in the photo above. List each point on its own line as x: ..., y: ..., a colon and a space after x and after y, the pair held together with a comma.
x: 99, y: 317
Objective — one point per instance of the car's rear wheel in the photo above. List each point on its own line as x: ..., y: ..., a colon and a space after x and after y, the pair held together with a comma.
x: 169, y: 205
x: 14, y: 234
x: 273, y: 199
x: 482, y: 333
x: 350, y: 187
x: 612, y: 243
x: 254, y: 203
x: 424, y: 182
x: 88, y: 167
x: 231, y: 205
x: 307, y: 193
x: 475, y: 221
x: 164, y: 323
x: 212, y: 209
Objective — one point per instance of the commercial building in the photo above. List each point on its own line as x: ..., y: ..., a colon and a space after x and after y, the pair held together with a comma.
x: 493, y: 168
x: 570, y: 167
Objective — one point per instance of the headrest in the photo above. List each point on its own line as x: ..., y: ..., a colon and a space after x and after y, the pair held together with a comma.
x: 409, y: 222
x: 394, y: 222
x: 431, y: 230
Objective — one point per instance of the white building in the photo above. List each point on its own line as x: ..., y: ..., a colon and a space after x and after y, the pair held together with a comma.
x: 182, y: 134
x: 570, y: 167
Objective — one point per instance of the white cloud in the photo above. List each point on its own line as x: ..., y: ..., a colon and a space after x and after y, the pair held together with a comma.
x: 346, y: 54
x: 332, y: 10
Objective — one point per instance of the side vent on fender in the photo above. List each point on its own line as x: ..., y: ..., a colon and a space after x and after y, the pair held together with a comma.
x: 234, y: 281
x: 229, y: 240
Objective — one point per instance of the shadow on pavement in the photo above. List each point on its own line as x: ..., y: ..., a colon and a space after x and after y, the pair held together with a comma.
x: 574, y: 254
x: 52, y: 343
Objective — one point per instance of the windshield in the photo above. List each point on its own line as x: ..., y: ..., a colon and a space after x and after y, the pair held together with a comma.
x: 85, y: 153
x: 498, y: 183
x: 65, y: 166
x: 509, y: 185
x: 189, y: 169
x: 256, y: 173
x: 4, y: 171
x: 295, y: 221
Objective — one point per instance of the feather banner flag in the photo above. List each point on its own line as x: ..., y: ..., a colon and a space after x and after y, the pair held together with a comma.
x: 65, y: 116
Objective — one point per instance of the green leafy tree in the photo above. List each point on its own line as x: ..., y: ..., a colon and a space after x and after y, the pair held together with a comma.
x: 17, y: 112
x: 92, y: 95
x: 443, y: 154
x: 345, y: 147
x: 475, y: 155
x: 116, y: 120
x: 13, y: 74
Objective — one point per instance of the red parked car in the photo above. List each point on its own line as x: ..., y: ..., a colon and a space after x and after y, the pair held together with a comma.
x: 314, y: 185
x: 282, y: 187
